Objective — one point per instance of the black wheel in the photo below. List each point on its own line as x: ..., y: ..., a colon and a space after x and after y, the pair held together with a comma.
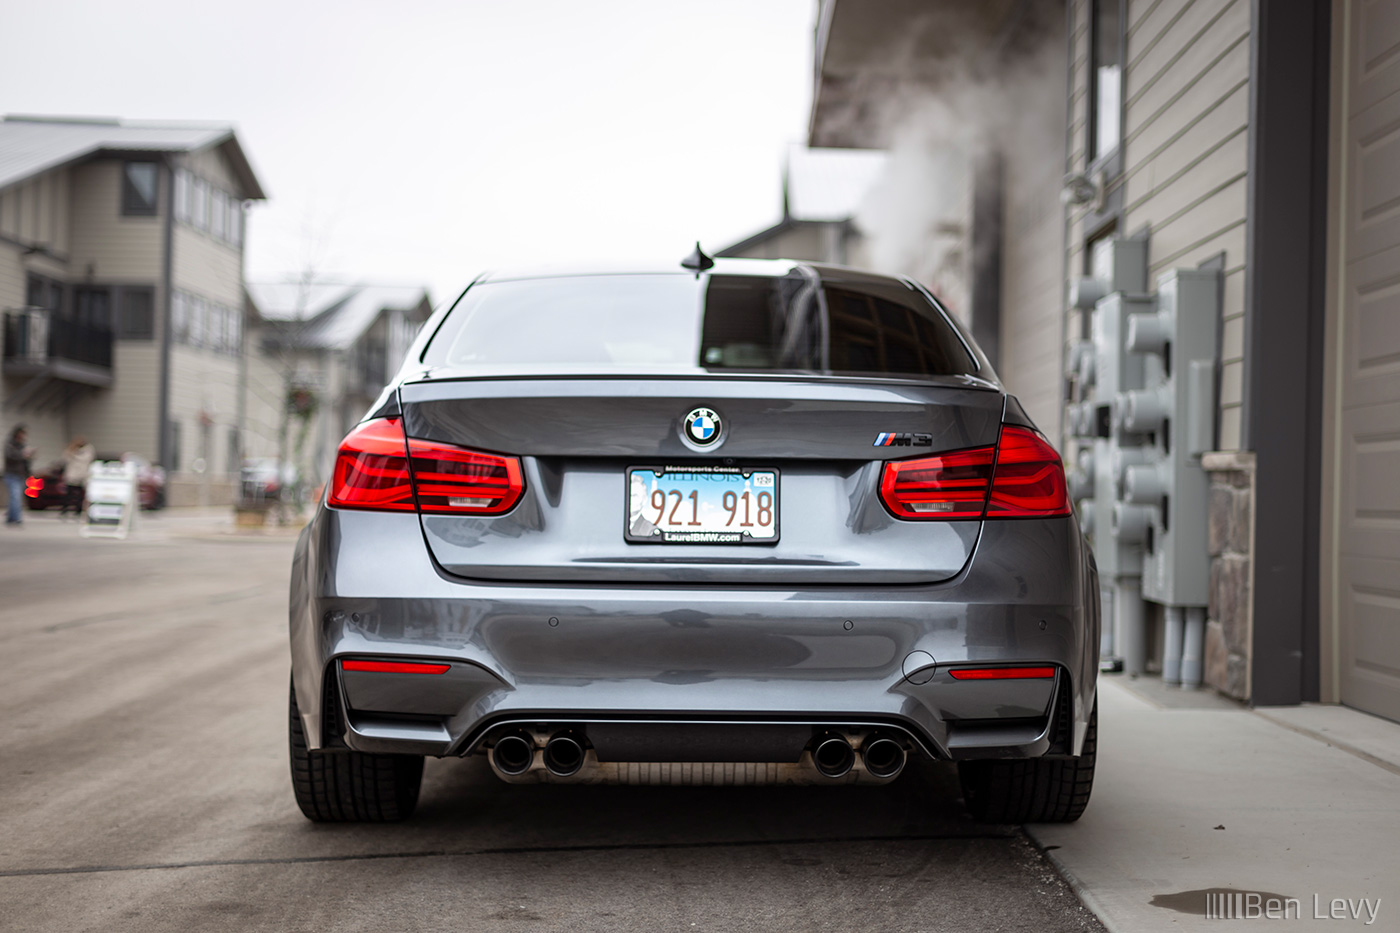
x: 343, y: 787
x: 1036, y: 790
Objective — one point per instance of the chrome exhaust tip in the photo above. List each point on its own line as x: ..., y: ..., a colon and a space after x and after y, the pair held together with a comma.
x: 833, y: 756
x: 563, y: 755
x: 882, y: 756
x: 513, y: 754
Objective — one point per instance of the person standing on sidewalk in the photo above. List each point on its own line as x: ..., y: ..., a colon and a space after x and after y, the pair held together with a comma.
x: 17, y: 457
x: 77, y: 463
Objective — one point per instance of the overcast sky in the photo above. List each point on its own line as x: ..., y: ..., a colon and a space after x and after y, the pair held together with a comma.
x: 423, y: 142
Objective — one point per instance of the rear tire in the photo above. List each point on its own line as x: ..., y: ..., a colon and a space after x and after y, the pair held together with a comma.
x: 1035, y: 790
x: 342, y: 787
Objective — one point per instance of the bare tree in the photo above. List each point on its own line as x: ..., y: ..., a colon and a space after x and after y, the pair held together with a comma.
x: 287, y: 347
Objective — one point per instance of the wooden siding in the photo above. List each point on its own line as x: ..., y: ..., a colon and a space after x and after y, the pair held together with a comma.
x: 124, y: 417
x: 213, y: 167
x: 207, y: 267
x: 203, y: 383
x: 1185, y: 153
x: 36, y: 213
x: 106, y: 246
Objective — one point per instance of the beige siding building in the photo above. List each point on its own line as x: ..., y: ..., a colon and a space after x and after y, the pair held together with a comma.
x: 121, y: 282
x: 1251, y: 145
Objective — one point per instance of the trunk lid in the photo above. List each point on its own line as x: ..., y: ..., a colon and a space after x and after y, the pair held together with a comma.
x: 577, y: 437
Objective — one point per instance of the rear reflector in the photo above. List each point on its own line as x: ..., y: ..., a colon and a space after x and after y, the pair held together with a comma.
x: 1021, y: 477
x: 1002, y: 673
x: 378, y: 469
x: 394, y: 667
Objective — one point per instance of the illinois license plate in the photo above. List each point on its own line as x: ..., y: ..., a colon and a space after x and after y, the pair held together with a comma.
x: 702, y: 505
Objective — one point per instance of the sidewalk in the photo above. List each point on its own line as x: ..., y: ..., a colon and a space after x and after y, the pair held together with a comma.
x: 166, y: 524
x: 1206, y: 796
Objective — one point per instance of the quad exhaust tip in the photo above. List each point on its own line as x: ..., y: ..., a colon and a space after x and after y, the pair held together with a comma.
x: 563, y: 755
x: 513, y: 754
x: 882, y: 756
x: 833, y: 756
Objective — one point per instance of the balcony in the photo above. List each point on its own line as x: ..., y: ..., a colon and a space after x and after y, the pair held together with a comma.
x: 55, y: 354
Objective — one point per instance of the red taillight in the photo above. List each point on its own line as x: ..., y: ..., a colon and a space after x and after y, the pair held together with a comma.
x: 378, y: 469
x: 371, y: 469
x: 1021, y: 477
x: 1030, y: 479
x: 454, y: 480
x: 1002, y: 673
x: 33, y: 486
x: 952, y: 485
x: 395, y: 667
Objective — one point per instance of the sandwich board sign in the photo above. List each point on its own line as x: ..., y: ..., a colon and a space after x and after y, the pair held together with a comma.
x: 111, y: 495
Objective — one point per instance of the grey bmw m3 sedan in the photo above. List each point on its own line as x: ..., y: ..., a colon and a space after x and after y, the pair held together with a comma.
x: 728, y: 522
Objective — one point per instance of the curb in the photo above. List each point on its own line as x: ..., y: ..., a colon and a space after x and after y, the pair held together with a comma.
x: 1086, y: 897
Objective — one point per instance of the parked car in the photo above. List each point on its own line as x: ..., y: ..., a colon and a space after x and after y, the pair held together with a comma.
x: 740, y: 522
x: 47, y: 489
x: 263, y: 479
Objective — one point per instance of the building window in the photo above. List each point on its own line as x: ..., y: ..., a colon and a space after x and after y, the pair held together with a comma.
x: 180, y: 317
x: 205, y: 207
x: 41, y: 292
x: 93, y: 307
x: 139, y: 188
x: 197, y: 322
x: 174, y: 465
x: 182, y: 196
x: 1105, y: 78
x: 138, y: 317
x: 199, y: 204
x: 218, y: 218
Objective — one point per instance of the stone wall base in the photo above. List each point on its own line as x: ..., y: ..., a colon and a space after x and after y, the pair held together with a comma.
x: 1230, y: 617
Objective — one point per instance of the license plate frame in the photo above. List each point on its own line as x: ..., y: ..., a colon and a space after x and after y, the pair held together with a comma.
x: 641, y: 532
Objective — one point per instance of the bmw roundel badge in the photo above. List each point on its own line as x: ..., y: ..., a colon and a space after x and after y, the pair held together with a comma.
x: 702, y: 426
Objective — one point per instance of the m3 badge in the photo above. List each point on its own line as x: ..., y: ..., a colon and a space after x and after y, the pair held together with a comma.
x: 903, y: 440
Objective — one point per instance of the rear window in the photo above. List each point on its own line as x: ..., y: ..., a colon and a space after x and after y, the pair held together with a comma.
x: 718, y: 323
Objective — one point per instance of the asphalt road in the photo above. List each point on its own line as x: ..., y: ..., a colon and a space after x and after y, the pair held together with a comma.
x: 144, y: 786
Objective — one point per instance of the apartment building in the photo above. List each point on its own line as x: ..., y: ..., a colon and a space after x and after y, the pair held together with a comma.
x: 1253, y: 143
x: 121, y: 284
x: 324, y: 353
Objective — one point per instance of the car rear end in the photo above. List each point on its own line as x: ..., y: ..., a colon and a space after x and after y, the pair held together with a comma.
x: 771, y: 523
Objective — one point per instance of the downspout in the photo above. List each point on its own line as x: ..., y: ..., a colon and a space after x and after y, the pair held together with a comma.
x: 241, y: 402
x: 167, y: 303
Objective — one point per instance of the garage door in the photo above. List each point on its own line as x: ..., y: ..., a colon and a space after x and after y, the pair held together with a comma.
x: 1368, y: 539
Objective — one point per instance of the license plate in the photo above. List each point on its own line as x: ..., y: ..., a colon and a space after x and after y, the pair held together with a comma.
x: 702, y: 505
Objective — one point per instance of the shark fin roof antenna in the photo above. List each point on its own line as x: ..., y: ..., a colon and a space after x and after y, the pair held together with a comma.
x: 697, y: 260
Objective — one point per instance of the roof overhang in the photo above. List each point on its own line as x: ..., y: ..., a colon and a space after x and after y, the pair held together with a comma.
x: 242, y: 168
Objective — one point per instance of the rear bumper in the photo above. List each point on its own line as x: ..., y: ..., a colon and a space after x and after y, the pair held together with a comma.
x: 816, y: 657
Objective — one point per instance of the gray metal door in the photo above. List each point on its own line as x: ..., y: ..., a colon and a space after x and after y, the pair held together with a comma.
x: 1368, y: 478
